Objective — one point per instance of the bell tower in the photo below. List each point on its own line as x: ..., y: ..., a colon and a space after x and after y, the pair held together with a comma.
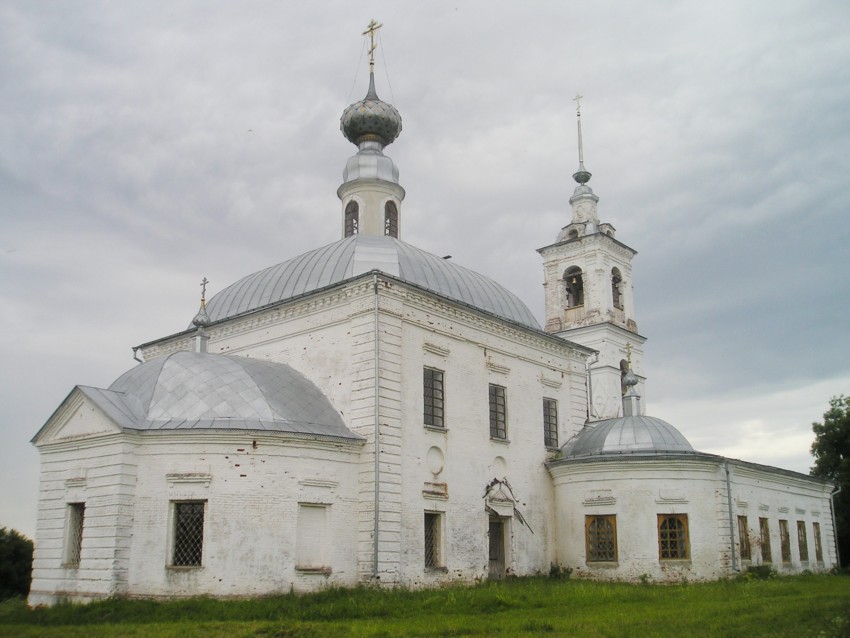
x: 589, y: 295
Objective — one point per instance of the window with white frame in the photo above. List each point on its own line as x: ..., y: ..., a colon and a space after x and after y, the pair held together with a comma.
x: 74, y: 523
x: 433, y: 540
x: 187, y: 547
x: 311, y: 542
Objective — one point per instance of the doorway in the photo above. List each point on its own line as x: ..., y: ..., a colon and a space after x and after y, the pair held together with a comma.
x: 497, y: 548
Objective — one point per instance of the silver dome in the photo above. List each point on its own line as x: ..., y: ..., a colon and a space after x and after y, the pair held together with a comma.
x: 203, y: 391
x: 627, y: 435
x: 371, y: 119
x: 359, y: 254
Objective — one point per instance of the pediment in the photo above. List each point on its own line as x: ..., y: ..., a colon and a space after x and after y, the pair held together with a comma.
x: 77, y: 417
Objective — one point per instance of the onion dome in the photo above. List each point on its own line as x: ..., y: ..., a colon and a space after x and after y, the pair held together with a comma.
x: 371, y: 119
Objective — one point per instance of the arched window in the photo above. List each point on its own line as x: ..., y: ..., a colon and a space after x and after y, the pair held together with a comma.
x: 574, y: 285
x: 616, y: 295
x: 352, y: 218
x: 391, y: 220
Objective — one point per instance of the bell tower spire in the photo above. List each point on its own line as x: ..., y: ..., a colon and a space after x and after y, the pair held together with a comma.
x: 370, y: 193
x: 589, y: 300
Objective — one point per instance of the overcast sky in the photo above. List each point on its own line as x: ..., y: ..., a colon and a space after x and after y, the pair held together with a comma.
x: 146, y: 145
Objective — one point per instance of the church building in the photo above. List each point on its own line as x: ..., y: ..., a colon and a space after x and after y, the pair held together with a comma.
x: 371, y: 413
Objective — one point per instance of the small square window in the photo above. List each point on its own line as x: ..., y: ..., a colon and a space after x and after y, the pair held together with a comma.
x: 433, y: 540
x: 498, y: 412
x: 673, y: 537
x: 434, y: 398
x: 744, y: 538
x: 550, y: 423
x: 764, y: 530
x: 600, y: 534
x: 188, y: 533
x: 785, y: 541
x: 802, y: 542
x: 76, y: 514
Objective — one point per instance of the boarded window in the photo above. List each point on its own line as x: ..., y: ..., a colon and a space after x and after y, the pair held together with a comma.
x: 188, y: 534
x: 74, y: 534
x: 802, y: 541
x: 744, y: 538
x: 498, y: 412
x: 391, y: 220
x: 311, y: 536
x: 673, y: 537
x: 434, y: 397
x: 352, y: 218
x: 784, y: 541
x: 433, y: 539
x: 764, y: 539
x: 550, y: 423
x: 816, y: 537
x: 600, y: 533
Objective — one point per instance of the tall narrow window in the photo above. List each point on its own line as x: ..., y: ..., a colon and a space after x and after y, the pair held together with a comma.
x: 188, y: 534
x: 673, y: 536
x: 433, y: 393
x: 550, y: 423
x: 802, y: 541
x: 310, y: 541
x: 784, y: 541
x: 616, y: 294
x: 764, y: 530
x: 744, y: 538
x: 574, y: 285
x: 74, y: 534
x: 816, y: 537
x: 600, y: 533
x: 498, y: 413
x: 352, y: 218
x: 433, y: 540
x: 391, y: 219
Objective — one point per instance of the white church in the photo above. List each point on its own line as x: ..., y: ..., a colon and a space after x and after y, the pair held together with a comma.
x: 370, y: 413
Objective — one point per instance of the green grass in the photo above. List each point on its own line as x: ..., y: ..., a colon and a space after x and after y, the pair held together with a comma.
x: 801, y: 606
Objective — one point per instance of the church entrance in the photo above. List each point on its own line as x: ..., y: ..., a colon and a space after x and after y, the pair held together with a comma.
x: 497, y: 548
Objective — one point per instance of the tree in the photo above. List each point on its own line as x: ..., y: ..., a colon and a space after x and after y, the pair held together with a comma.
x: 831, y: 450
x: 15, y: 564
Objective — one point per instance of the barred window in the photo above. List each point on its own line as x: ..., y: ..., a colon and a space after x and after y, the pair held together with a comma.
x: 434, y: 397
x: 74, y: 534
x: 550, y: 423
x: 764, y: 529
x: 352, y: 218
x: 816, y: 536
x: 188, y: 545
x: 433, y: 539
x: 391, y: 219
x: 673, y: 536
x: 802, y: 541
x: 744, y: 538
x: 784, y: 541
x: 498, y: 412
x: 600, y: 533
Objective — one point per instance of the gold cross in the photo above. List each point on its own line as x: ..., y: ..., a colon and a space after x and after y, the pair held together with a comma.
x: 204, y: 283
x: 370, y: 31
x: 577, y: 99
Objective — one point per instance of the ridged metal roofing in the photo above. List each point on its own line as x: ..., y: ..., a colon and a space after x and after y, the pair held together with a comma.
x: 360, y: 254
x: 194, y: 391
x: 627, y: 435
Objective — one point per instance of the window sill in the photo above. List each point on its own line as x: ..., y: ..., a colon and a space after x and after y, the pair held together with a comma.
x: 498, y: 440
x: 603, y: 564
x: 74, y: 566
x: 436, y: 428
x: 324, y: 571
x: 183, y: 568
x: 436, y: 570
x: 674, y: 561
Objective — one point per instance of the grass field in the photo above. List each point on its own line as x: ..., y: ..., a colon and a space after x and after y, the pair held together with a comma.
x: 801, y: 606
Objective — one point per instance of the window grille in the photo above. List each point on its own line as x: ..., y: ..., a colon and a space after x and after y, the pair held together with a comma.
x: 391, y: 220
x: 550, y: 423
x: 744, y: 538
x: 673, y: 536
x: 74, y: 542
x: 433, y: 555
x: 434, y: 396
x: 601, y: 538
x: 802, y: 541
x: 784, y: 541
x: 816, y: 536
x: 188, y: 534
x: 352, y: 218
x: 764, y: 529
x: 498, y: 412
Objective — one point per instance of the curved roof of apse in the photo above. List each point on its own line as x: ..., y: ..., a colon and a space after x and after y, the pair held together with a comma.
x: 627, y: 435
x: 204, y: 391
x: 359, y: 254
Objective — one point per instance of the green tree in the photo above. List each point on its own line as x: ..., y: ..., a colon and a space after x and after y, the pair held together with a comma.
x: 831, y: 450
x: 15, y: 564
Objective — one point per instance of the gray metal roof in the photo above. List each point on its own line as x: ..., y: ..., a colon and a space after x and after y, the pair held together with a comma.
x: 189, y: 390
x: 627, y: 435
x: 359, y: 254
